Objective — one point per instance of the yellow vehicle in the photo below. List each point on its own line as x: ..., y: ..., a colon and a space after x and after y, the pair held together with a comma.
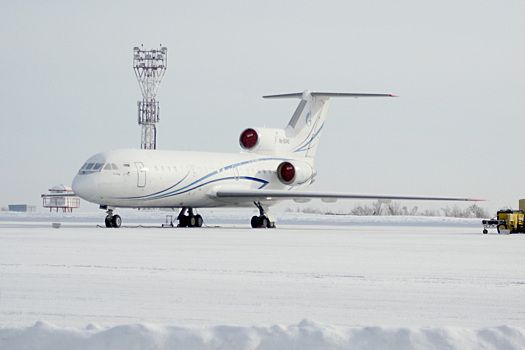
x: 507, y: 221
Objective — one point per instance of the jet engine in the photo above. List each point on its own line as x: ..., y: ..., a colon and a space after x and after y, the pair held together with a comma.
x: 249, y: 139
x: 266, y: 141
x: 296, y: 173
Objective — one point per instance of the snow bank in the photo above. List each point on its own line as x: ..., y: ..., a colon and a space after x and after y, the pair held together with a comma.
x: 306, y: 335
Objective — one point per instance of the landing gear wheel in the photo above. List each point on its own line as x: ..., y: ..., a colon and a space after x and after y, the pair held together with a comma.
x: 187, y: 218
x: 265, y: 218
x: 255, y: 222
x: 261, y: 222
x: 264, y: 222
x: 113, y: 221
x: 198, y: 221
x: 116, y: 221
x: 485, y: 231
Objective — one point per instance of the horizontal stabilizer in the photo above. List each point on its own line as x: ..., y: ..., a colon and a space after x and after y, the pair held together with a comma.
x: 328, y: 94
x: 294, y: 95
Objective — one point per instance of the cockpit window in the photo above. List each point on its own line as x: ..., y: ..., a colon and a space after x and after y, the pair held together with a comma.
x: 90, y: 168
x: 110, y: 166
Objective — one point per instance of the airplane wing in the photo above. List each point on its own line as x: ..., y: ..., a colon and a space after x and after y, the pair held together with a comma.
x: 301, y: 196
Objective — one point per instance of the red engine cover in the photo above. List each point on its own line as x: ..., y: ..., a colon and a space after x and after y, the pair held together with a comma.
x: 286, y: 172
x: 248, y: 138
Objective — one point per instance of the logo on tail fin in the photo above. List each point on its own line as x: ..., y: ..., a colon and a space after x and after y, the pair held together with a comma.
x: 309, y: 119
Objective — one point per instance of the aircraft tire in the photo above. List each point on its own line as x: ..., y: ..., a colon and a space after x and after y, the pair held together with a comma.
x: 264, y: 221
x: 116, y: 221
x: 255, y: 222
x: 198, y: 221
x: 108, y: 221
x: 192, y: 221
x: 183, y: 221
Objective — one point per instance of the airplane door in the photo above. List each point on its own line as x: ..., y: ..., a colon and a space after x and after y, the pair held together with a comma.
x: 141, y: 174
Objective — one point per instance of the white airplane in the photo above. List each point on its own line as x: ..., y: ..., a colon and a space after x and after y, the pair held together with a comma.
x: 273, y: 166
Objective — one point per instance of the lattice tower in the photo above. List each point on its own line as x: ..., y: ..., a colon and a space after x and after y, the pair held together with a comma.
x: 149, y: 66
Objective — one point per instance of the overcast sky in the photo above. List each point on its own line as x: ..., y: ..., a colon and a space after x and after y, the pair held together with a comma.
x: 68, y: 89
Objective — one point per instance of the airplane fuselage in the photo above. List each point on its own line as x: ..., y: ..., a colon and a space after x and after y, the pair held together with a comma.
x: 175, y: 179
x: 273, y: 164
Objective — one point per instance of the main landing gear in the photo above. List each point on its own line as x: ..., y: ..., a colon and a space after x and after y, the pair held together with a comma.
x: 113, y: 220
x: 265, y: 218
x: 187, y: 218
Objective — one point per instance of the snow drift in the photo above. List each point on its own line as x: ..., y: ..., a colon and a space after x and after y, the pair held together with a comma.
x: 419, y: 283
x: 306, y: 335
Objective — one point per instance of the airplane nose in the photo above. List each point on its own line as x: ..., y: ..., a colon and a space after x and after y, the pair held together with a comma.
x: 83, y: 187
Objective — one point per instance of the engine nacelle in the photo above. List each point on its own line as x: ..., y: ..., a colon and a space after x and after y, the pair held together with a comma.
x: 264, y: 141
x: 295, y: 173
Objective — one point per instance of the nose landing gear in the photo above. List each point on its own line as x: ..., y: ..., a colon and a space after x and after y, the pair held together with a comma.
x: 113, y: 220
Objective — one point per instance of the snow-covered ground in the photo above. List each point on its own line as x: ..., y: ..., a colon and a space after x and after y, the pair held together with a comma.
x: 315, y: 282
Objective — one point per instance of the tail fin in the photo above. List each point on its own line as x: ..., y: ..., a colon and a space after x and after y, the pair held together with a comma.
x: 305, y: 127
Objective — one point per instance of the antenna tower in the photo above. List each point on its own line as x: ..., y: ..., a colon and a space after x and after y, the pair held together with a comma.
x: 149, y: 66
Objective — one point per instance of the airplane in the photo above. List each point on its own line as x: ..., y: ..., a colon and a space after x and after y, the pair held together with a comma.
x: 274, y: 165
